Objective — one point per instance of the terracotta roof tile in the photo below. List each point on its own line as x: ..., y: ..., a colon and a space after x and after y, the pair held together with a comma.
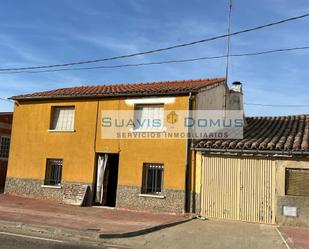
x: 283, y: 133
x: 153, y: 88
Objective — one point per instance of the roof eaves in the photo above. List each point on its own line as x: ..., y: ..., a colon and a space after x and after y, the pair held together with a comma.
x: 245, y: 151
x: 6, y: 113
x: 110, y: 95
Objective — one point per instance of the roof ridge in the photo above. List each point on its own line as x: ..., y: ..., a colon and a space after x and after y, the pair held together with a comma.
x: 151, y: 82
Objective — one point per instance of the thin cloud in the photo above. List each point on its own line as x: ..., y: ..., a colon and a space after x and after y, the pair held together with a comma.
x: 21, y: 50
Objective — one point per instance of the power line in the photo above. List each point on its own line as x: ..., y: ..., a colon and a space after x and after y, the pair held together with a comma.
x: 271, y: 105
x: 161, y: 49
x: 162, y: 62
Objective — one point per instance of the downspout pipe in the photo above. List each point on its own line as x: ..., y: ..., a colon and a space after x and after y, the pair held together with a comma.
x: 188, y: 151
x: 96, y: 126
x: 93, y: 192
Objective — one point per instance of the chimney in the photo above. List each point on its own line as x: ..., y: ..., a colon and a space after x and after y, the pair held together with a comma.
x: 236, y: 86
x: 235, y: 97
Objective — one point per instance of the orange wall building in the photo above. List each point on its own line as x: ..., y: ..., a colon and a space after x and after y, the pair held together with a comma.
x: 61, y: 145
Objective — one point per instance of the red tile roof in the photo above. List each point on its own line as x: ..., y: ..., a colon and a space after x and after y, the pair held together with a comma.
x: 151, y: 88
x: 283, y: 133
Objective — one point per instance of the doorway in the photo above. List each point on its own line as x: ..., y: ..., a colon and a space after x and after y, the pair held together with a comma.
x: 106, y: 179
x: 3, y: 169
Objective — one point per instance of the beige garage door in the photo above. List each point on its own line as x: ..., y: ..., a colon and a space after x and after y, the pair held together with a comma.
x: 238, y: 189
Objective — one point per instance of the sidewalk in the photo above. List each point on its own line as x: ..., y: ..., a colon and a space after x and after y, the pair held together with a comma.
x: 98, y: 222
x: 297, y: 236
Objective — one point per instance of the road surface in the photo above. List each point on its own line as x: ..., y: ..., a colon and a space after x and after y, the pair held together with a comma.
x: 16, y: 241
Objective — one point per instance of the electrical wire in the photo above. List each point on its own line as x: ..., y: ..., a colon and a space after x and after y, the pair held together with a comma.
x: 161, y: 49
x: 161, y: 62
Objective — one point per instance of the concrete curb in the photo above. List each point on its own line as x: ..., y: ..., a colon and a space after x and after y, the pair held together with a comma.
x: 80, y: 234
x: 48, y: 230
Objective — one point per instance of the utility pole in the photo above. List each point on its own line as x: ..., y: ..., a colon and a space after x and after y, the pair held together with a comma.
x: 227, y: 51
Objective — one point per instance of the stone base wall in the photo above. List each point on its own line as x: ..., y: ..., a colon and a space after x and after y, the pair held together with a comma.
x: 129, y: 197
x: 33, y: 188
x: 302, y: 205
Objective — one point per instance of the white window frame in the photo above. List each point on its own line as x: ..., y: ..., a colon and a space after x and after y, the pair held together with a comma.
x: 154, y: 129
x: 8, y: 137
x: 63, y: 127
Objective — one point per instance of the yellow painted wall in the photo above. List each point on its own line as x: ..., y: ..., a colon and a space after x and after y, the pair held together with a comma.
x: 32, y: 143
x: 135, y: 152
x: 198, y: 171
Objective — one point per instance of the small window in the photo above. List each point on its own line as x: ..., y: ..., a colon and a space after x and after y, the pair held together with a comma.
x: 4, y: 147
x: 297, y: 182
x: 53, y: 172
x: 152, y: 178
x: 149, y: 117
x: 63, y: 118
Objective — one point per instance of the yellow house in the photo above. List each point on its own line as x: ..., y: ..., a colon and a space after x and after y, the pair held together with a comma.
x: 58, y: 146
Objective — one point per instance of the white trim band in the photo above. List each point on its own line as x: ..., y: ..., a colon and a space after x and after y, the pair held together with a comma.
x: 152, y: 196
x: 167, y: 100
x: 62, y: 131
x: 52, y: 186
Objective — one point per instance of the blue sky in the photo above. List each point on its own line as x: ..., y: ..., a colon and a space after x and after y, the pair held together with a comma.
x: 47, y: 32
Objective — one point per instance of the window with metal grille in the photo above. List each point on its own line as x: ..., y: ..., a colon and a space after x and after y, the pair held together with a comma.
x: 53, y: 172
x: 149, y: 117
x: 4, y: 147
x: 152, y: 178
x: 297, y: 182
x: 63, y: 118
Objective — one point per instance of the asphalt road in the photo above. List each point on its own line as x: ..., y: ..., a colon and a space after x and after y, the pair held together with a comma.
x: 15, y: 241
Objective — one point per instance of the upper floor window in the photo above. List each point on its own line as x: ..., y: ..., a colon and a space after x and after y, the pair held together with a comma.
x: 4, y: 147
x: 63, y: 118
x: 149, y: 117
